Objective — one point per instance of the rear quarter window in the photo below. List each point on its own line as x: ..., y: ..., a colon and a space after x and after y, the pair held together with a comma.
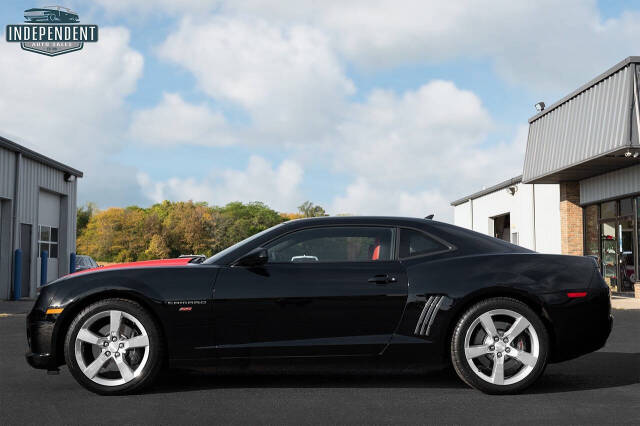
x: 415, y: 243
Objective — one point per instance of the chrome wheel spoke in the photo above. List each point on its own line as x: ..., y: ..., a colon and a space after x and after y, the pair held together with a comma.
x: 476, y: 351
x: 486, y: 336
x: 87, y: 336
x: 487, y: 323
x: 497, y: 375
x: 123, y: 367
x: 107, y: 329
x: 93, y: 368
x: 520, y: 325
x: 138, y: 341
x: 525, y: 357
x: 115, y: 320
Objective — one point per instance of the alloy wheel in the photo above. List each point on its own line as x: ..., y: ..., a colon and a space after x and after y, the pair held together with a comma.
x: 502, y: 347
x: 112, y: 348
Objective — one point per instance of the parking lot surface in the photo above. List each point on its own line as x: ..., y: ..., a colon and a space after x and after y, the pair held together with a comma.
x: 600, y: 388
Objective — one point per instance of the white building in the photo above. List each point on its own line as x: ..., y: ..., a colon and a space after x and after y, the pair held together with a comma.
x: 527, y: 215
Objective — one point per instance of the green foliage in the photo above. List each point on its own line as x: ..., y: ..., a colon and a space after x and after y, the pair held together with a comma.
x: 308, y: 209
x: 83, y: 216
x: 169, y: 229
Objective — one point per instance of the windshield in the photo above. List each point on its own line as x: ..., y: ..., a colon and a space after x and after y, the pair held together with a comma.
x: 221, y: 254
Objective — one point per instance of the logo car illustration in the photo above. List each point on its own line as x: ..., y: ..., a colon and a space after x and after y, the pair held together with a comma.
x: 52, y: 14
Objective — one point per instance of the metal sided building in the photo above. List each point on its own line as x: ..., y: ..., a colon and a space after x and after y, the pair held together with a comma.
x: 37, y: 212
x: 586, y: 144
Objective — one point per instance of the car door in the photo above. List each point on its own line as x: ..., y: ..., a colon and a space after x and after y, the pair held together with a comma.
x: 325, y: 291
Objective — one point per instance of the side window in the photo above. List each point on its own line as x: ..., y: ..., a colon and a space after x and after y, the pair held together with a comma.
x: 334, y: 244
x: 415, y: 243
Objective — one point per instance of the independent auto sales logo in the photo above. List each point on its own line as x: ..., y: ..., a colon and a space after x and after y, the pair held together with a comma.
x: 51, y: 31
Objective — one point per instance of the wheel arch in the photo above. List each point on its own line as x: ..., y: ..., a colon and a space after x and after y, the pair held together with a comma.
x: 70, y: 312
x: 462, y: 305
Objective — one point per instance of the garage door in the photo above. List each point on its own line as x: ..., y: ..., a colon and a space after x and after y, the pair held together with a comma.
x: 48, y: 231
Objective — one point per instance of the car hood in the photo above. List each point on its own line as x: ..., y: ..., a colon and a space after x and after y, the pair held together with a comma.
x: 143, y: 264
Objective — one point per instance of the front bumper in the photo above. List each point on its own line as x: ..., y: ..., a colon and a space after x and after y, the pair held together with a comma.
x: 40, y: 361
x: 40, y: 328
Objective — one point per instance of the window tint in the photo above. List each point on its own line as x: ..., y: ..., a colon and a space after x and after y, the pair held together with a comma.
x: 415, y: 243
x: 333, y: 244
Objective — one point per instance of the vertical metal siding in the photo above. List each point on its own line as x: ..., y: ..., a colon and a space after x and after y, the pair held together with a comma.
x: 610, y: 185
x: 35, y: 176
x: 592, y: 123
x: 7, y: 172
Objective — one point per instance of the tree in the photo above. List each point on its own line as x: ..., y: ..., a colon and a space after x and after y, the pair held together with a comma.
x: 83, y: 216
x: 188, y: 229
x: 169, y: 229
x: 308, y: 209
x: 237, y: 221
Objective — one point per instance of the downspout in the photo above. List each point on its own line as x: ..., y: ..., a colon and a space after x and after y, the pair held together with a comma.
x: 533, y: 192
x: 471, y: 209
x: 14, y: 224
x: 635, y: 103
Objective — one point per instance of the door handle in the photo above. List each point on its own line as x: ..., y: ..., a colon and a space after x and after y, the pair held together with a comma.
x: 382, y: 279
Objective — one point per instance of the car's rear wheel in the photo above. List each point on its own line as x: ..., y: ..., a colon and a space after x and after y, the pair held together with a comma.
x: 499, y: 346
x: 114, y: 347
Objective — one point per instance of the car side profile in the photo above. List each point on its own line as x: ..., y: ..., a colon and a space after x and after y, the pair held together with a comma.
x: 51, y: 14
x: 395, y: 290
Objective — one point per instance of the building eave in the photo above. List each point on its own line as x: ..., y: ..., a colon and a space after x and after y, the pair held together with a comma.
x: 502, y: 185
x: 28, y: 153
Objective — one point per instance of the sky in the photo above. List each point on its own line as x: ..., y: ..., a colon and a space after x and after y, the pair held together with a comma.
x: 363, y: 107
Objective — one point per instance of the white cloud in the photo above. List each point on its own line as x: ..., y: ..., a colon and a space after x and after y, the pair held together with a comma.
x: 72, y: 107
x: 176, y: 121
x: 365, y: 198
x: 531, y: 44
x: 260, y: 181
x: 411, y: 154
x: 287, y: 79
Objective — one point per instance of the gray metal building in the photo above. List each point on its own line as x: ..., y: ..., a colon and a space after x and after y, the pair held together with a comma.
x: 37, y: 212
x: 588, y: 142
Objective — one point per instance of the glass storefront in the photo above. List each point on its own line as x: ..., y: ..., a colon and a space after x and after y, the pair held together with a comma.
x: 611, y: 236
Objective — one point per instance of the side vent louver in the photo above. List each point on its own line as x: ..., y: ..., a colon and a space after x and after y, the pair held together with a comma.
x: 428, y: 315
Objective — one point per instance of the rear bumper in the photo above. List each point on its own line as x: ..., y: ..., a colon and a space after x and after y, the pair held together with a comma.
x: 579, y: 326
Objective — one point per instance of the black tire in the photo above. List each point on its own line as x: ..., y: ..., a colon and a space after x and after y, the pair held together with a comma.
x: 155, y: 348
x: 462, y: 365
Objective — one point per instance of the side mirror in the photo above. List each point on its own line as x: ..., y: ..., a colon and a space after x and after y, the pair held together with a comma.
x: 256, y: 257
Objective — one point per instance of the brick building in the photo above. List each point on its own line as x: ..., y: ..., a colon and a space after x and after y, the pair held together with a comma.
x: 579, y: 192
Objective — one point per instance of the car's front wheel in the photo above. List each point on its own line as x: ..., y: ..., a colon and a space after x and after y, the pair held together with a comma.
x: 114, y: 347
x: 499, y: 346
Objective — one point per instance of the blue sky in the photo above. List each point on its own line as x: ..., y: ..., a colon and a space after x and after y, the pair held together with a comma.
x: 386, y: 107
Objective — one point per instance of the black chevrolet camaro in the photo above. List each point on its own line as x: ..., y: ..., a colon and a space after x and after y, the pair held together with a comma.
x: 401, y: 291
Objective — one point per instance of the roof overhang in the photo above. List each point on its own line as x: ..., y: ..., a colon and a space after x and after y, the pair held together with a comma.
x: 28, y: 153
x: 587, y: 132
x: 502, y: 185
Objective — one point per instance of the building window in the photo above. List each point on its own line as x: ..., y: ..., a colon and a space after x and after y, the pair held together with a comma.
x: 626, y: 207
x: 608, y: 210
x: 48, y: 240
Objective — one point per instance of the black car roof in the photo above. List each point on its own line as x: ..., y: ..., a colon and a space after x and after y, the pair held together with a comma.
x: 344, y: 220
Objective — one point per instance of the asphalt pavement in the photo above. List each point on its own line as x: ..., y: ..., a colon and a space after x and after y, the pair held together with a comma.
x: 599, y: 388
